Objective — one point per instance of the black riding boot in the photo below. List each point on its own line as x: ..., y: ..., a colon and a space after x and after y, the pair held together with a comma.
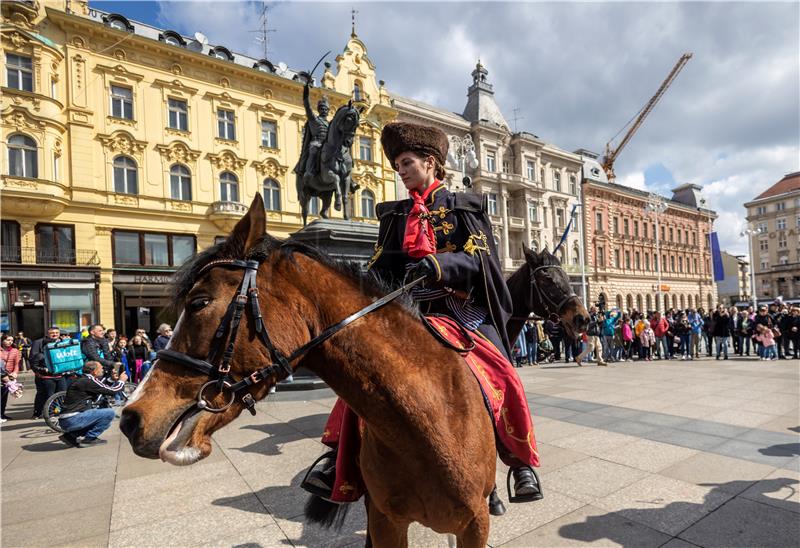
x: 319, y: 480
x: 526, y: 485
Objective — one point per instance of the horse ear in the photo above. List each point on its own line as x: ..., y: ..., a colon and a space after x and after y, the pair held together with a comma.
x: 250, y: 228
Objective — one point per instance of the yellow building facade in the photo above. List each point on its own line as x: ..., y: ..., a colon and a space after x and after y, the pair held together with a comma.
x: 126, y: 149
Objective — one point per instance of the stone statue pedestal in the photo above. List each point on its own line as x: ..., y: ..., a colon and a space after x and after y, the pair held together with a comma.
x: 344, y: 241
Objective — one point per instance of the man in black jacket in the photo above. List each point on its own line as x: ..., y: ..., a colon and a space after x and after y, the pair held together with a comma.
x: 722, y: 330
x: 78, y: 418
x: 47, y: 383
x: 95, y: 348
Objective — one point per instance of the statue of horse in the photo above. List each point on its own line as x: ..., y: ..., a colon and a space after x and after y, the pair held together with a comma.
x: 541, y: 286
x: 336, y: 163
x: 260, y: 300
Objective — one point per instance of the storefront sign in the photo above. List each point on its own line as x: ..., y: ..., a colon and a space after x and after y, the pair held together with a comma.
x: 143, y: 279
x: 146, y: 301
x: 14, y: 274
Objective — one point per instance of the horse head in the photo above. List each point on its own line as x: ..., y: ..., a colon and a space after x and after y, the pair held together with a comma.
x: 162, y: 417
x: 343, y: 126
x: 550, y: 286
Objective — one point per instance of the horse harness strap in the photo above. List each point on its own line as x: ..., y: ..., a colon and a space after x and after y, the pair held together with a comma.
x: 225, y: 338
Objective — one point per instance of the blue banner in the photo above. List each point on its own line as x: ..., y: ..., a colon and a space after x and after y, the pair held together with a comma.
x: 716, y: 259
x: 566, y: 230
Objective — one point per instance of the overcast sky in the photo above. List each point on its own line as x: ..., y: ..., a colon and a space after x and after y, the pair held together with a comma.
x: 577, y: 72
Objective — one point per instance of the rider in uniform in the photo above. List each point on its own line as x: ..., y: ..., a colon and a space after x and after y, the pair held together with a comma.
x: 445, y: 237
x: 316, y: 129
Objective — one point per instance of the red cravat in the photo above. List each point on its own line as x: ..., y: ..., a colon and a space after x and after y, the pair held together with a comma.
x: 419, y: 239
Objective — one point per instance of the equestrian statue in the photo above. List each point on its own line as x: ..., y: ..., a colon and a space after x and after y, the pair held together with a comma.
x: 325, y: 158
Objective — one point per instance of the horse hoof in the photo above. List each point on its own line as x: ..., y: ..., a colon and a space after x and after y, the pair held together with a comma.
x: 337, y: 206
x: 497, y: 508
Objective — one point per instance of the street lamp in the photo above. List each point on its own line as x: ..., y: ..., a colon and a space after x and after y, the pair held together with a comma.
x: 462, y: 153
x: 748, y: 233
x: 656, y: 206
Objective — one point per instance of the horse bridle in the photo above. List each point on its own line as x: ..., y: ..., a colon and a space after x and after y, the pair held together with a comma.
x: 546, y: 301
x: 225, y: 337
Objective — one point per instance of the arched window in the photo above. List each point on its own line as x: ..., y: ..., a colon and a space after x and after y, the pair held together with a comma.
x: 357, y: 91
x: 272, y: 195
x: 228, y: 187
x: 180, y: 182
x: 648, y: 302
x: 629, y: 302
x: 22, y: 157
x: 125, y: 175
x: 689, y: 301
x: 367, y: 204
x: 562, y: 255
x: 710, y: 303
x: 576, y: 255
x: 534, y: 246
x: 639, y: 302
x: 619, y: 301
x: 683, y: 302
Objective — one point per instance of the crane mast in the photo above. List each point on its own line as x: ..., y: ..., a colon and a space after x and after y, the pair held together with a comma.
x: 612, y: 153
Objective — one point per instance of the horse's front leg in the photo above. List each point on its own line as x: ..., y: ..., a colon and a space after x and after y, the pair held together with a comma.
x: 476, y: 533
x: 383, y: 532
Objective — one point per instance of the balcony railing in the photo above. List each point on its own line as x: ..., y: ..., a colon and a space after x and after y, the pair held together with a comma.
x: 31, y: 255
x: 228, y: 207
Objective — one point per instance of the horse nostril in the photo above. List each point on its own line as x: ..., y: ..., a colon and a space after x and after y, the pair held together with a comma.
x: 129, y: 423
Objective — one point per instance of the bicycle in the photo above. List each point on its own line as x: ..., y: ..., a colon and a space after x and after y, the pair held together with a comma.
x: 53, y: 405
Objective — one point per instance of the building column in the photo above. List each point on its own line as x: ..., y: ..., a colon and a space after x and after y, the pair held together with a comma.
x: 504, y: 237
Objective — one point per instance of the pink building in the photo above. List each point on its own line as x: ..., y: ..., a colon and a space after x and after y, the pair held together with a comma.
x: 623, y: 257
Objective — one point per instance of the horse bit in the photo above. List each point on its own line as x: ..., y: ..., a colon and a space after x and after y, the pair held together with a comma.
x: 280, y: 368
x: 545, y: 299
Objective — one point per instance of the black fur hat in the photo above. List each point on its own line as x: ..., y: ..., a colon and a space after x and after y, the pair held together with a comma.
x: 400, y: 137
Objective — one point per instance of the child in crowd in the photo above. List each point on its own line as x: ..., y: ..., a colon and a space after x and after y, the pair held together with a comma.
x: 648, y: 340
x: 768, y: 350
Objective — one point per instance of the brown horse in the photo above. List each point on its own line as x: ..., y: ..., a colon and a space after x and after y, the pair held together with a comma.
x: 542, y: 287
x: 424, y: 417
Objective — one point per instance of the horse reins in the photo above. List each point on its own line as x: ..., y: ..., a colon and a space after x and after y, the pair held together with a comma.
x: 225, y: 337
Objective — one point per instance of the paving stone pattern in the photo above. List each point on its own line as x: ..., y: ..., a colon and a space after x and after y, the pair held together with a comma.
x: 663, y: 454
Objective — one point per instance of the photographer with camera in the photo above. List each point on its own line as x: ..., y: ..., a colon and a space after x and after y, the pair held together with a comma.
x: 78, y: 416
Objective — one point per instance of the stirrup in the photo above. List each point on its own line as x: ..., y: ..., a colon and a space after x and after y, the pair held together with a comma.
x: 315, y: 489
x: 524, y: 498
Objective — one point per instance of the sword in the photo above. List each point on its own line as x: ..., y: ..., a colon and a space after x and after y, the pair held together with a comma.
x: 311, y: 72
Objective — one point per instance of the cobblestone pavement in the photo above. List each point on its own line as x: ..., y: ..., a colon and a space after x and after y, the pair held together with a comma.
x: 672, y: 454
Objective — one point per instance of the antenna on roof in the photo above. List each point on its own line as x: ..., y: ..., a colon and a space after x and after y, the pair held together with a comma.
x: 263, y: 30
x: 516, y: 117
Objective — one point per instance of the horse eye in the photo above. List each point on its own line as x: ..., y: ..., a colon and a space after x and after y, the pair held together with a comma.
x: 199, y: 303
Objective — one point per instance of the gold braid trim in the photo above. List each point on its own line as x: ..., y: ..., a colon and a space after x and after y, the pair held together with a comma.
x: 474, y: 243
x: 510, y: 429
x: 378, y: 251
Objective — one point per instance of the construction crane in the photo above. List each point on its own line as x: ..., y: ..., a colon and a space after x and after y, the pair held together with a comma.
x: 612, y: 153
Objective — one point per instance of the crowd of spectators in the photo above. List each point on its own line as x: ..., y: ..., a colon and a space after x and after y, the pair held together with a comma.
x: 770, y: 333
x: 116, y: 354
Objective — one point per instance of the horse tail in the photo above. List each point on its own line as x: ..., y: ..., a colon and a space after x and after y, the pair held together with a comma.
x: 325, y: 513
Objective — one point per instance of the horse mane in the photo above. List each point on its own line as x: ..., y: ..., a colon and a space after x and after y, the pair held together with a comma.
x: 370, y: 282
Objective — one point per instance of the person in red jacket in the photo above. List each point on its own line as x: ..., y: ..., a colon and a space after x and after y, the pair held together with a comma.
x: 660, y: 327
x: 11, y: 355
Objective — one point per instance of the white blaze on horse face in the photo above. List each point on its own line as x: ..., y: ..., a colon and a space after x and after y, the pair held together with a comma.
x: 140, y: 388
